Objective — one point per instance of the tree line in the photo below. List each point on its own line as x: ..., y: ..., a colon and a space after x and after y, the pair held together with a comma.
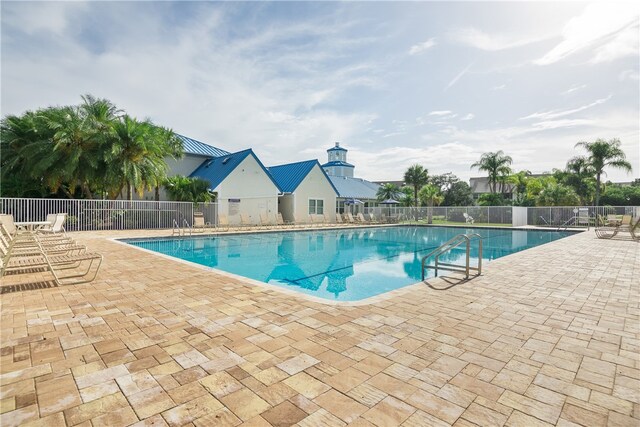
x: 89, y: 150
x: 579, y: 183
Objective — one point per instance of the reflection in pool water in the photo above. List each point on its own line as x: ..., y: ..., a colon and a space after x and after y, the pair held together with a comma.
x: 342, y: 265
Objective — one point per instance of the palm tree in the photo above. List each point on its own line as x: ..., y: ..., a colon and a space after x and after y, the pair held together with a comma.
x: 579, y: 175
x: 519, y: 181
x: 185, y: 189
x: 388, y: 191
x: 602, y: 154
x: 497, y: 166
x: 137, y: 156
x: 416, y: 176
x: 430, y: 195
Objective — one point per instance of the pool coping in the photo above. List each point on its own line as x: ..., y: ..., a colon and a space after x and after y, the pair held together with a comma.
x: 366, y: 301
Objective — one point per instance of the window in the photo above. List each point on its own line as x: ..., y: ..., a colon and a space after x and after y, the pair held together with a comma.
x: 316, y: 206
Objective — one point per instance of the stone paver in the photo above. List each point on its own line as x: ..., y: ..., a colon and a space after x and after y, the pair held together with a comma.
x: 547, y: 336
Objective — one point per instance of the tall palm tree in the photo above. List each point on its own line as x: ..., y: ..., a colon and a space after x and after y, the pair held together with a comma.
x: 496, y: 165
x: 135, y: 157
x: 604, y: 154
x: 430, y: 195
x: 416, y: 176
x: 519, y: 181
x: 388, y: 191
x: 579, y: 175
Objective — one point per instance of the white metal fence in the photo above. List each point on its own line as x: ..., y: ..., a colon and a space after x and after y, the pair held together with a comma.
x: 555, y: 216
x: 101, y: 214
x: 550, y: 216
x: 124, y: 214
x: 497, y: 215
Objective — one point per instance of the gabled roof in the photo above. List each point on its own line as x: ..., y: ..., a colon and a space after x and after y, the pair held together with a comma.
x: 354, y: 188
x: 290, y: 176
x: 191, y: 146
x: 215, y: 170
x: 338, y: 163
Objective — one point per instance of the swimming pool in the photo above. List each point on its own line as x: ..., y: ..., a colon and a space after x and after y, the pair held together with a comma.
x: 340, y: 264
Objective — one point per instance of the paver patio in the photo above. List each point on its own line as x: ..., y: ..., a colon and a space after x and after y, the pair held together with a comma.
x: 548, y: 336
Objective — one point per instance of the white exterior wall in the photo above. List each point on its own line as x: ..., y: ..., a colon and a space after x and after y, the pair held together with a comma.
x: 315, y: 186
x: 257, y: 193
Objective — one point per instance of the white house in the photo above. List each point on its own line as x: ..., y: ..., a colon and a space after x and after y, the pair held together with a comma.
x: 307, y: 190
x: 242, y: 184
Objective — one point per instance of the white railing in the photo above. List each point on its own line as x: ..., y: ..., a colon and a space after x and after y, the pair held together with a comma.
x: 556, y: 216
x: 481, y: 215
x: 142, y: 214
x: 101, y: 214
x: 549, y: 216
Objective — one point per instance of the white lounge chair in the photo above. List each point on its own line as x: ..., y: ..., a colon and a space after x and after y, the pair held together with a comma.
x: 468, y: 218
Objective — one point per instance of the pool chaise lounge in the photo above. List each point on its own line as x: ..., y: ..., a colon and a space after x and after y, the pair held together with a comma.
x: 627, y: 225
x: 23, y: 252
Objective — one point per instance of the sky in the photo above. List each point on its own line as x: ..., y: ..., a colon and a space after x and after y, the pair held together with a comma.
x: 396, y: 83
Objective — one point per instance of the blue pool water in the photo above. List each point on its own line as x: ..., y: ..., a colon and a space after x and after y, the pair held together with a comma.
x: 340, y: 265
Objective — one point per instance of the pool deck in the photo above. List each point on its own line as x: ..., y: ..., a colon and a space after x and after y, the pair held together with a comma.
x: 547, y: 336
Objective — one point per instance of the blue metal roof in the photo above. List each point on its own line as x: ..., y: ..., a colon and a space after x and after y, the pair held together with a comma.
x: 290, y: 176
x: 191, y: 146
x: 215, y: 170
x: 354, y: 188
x: 338, y: 163
x: 336, y: 148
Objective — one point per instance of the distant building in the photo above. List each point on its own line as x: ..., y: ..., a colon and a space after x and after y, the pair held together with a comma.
x: 353, y: 193
x: 480, y: 185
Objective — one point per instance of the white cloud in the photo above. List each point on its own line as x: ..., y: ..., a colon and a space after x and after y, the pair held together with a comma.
x: 440, y: 113
x: 564, y: 123
x: 500, y: 87
x: 469, y: 116
x: 554, y: 114
x: 51, y: 17
x: 629, y: 75
x: 573, y: 88
x: 611, y: 27
x: 491, y: 42
x: 624, y: 43
x: 458, y: 77
x: 421, y: 47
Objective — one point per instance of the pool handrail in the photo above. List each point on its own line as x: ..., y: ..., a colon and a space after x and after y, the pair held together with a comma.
x: 448, y: 246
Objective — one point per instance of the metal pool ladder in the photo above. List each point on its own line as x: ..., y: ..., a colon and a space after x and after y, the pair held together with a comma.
x: 448, y: 246
x: 181, y: 231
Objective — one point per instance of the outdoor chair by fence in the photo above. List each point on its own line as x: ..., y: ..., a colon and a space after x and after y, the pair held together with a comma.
x: 281, y: 222
x: 245, y: 220
x: 468, y: 218
x: 339, y: 219
x: 223, y: 223
x: 57, y: 225
x: 199, y: 223
x: 627, y: 224
x: 265, y: 222
x: 583, y: 217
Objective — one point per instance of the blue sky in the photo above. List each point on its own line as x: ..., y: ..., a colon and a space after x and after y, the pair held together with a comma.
x: 435, y: 83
